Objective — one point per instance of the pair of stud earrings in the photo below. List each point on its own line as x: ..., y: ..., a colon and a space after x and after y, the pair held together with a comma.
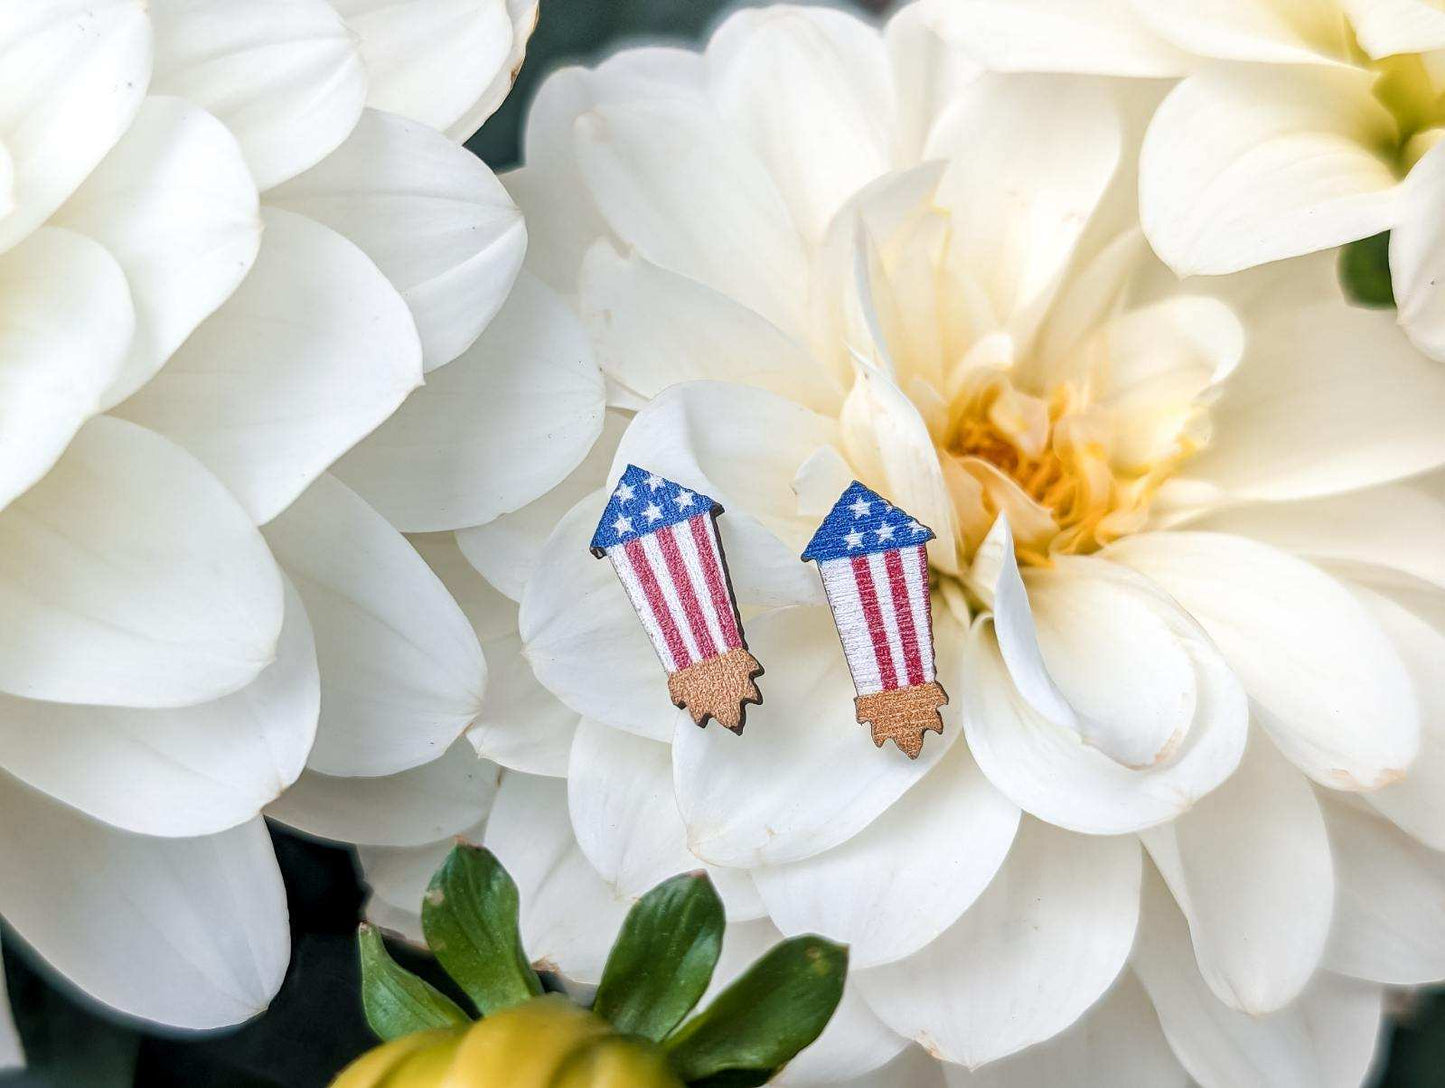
x: 663, y: 542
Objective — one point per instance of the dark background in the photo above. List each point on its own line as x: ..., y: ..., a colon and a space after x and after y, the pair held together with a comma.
x: 315, y: 1025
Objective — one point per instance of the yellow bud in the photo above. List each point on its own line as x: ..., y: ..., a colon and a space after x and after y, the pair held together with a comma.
x: 617, y: 1061
x: 374, y: 1069
x: 523, y: 1047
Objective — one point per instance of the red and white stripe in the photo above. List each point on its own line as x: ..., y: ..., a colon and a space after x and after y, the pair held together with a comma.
x: 674, y: 577
x: 881, y: 606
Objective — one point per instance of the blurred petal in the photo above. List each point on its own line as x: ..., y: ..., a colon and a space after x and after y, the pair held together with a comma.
x: 1044, y: 941
x: 1104, y: 37
x: 411, y: 808
x: 72, y: 75
x: 649, y: 191
x: 493, y: 430
x: 1242, y: 167
x: 1290, y: 31
x: 131, y: 577
x: 1326, y: 1039
x: 429, y: 60
x: 1301, y: 418
x: 284, y: 75
x: 186, y: 771
x: 811, y: 92
x: 653, y: 328
x: 1417, y: 254
x: 521, y: 725
x: 625, y: 817
x: 927, y: 859
x: 1387, y: 27
x: 569, y: 914
x: 402, y: 673
x: 400, y: 874
x: 1388, y: 926
x: 915, y: 1067
x: 186, y: 932
x: 506, y: 549
x: 1314, y: 663
x: 1115, y: 1043
x: 1250, y: 867
x: 312, y: 351
x: 12, y: 1054
x: 66, y: 323
x: 175, y: 204
x: 805, y: 778
x: 431, y: 215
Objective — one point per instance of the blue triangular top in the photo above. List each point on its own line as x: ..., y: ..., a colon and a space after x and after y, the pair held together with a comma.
x: 643, y: 502
x: 862, y: 522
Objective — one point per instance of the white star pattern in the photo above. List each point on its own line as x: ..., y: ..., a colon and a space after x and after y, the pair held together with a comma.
x: 854, y: 539
x: 861, y: 507
x: 916, y: 527
x: 623, y: 492
x: 622, y: 525
x: 885, y: 532
x: 652, y: 513
x: 685, y: 499
x: 654, y: 481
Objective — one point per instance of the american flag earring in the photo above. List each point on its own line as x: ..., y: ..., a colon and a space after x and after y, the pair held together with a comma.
x: 664, y: 546
x: 874, y: 564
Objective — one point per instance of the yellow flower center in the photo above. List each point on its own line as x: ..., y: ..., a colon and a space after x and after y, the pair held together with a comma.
x: 1410, y: 88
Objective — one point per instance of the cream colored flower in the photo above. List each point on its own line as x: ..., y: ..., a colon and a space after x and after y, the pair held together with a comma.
x: 1303, y: 125
x: 232, y: 239
x: 1183, y: 816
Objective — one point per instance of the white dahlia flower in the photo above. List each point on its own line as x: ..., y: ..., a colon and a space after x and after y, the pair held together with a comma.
x: 232, y: 238
x: 1304, y: 124
x: 1184, y: 819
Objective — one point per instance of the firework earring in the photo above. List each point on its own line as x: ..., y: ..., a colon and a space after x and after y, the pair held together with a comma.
x: 665, y: 548
x: 874, y: 564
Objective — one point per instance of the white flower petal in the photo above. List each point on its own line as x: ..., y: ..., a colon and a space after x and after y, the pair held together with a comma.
x: 1322, y: 676
x: 1029, y: 739
x: 806, y: 777
x: 521, y: 725
x: 131, y: 577
x: 493, y: 430
x: 1397, y: 526
x: 72, y: 75
x: 430, y: 60
x: 431, y: 215
x: 1103, y: 37
x: 652, y: 328
x: 1117, y: 1042
x: 184, y: 771
x: 506, y: 549
x: 400, y: 874
x: 1388, y: 927
x: 742, y: 446
x: 312, y: 351
x: 411, y: 808
x: 401, y: 924
x: 1415, y: 623
x: 1042, y: 943
x: 1273, y: 31
x: 1417, y: 254
x: 174, y: 203
x: 1301, y: 418
x: 12, y: 1054
x: 915, y: 1068
x: 570, y: 916
x: 1030, y: 158
x: 66, y: 323
x: 187, y: 932
x: 1247, y: 166
x: 649, y: 191
x: 625, y: 817
x: 584, y: 640
x: 402, y: 673
x: 811, y: 92
x: 524, y: 15
x: 284, y: 75
x: 1250, y: 868
x: 1326, y: 1039
x: 1387, y: 27
x: 927, y: 858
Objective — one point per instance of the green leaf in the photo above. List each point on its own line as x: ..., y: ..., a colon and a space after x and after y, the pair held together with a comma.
x: 469, y: 917
x: 664, y: 957
x: 755, y: 1026
x: 398, y: 1003
x: 1364, y: 270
